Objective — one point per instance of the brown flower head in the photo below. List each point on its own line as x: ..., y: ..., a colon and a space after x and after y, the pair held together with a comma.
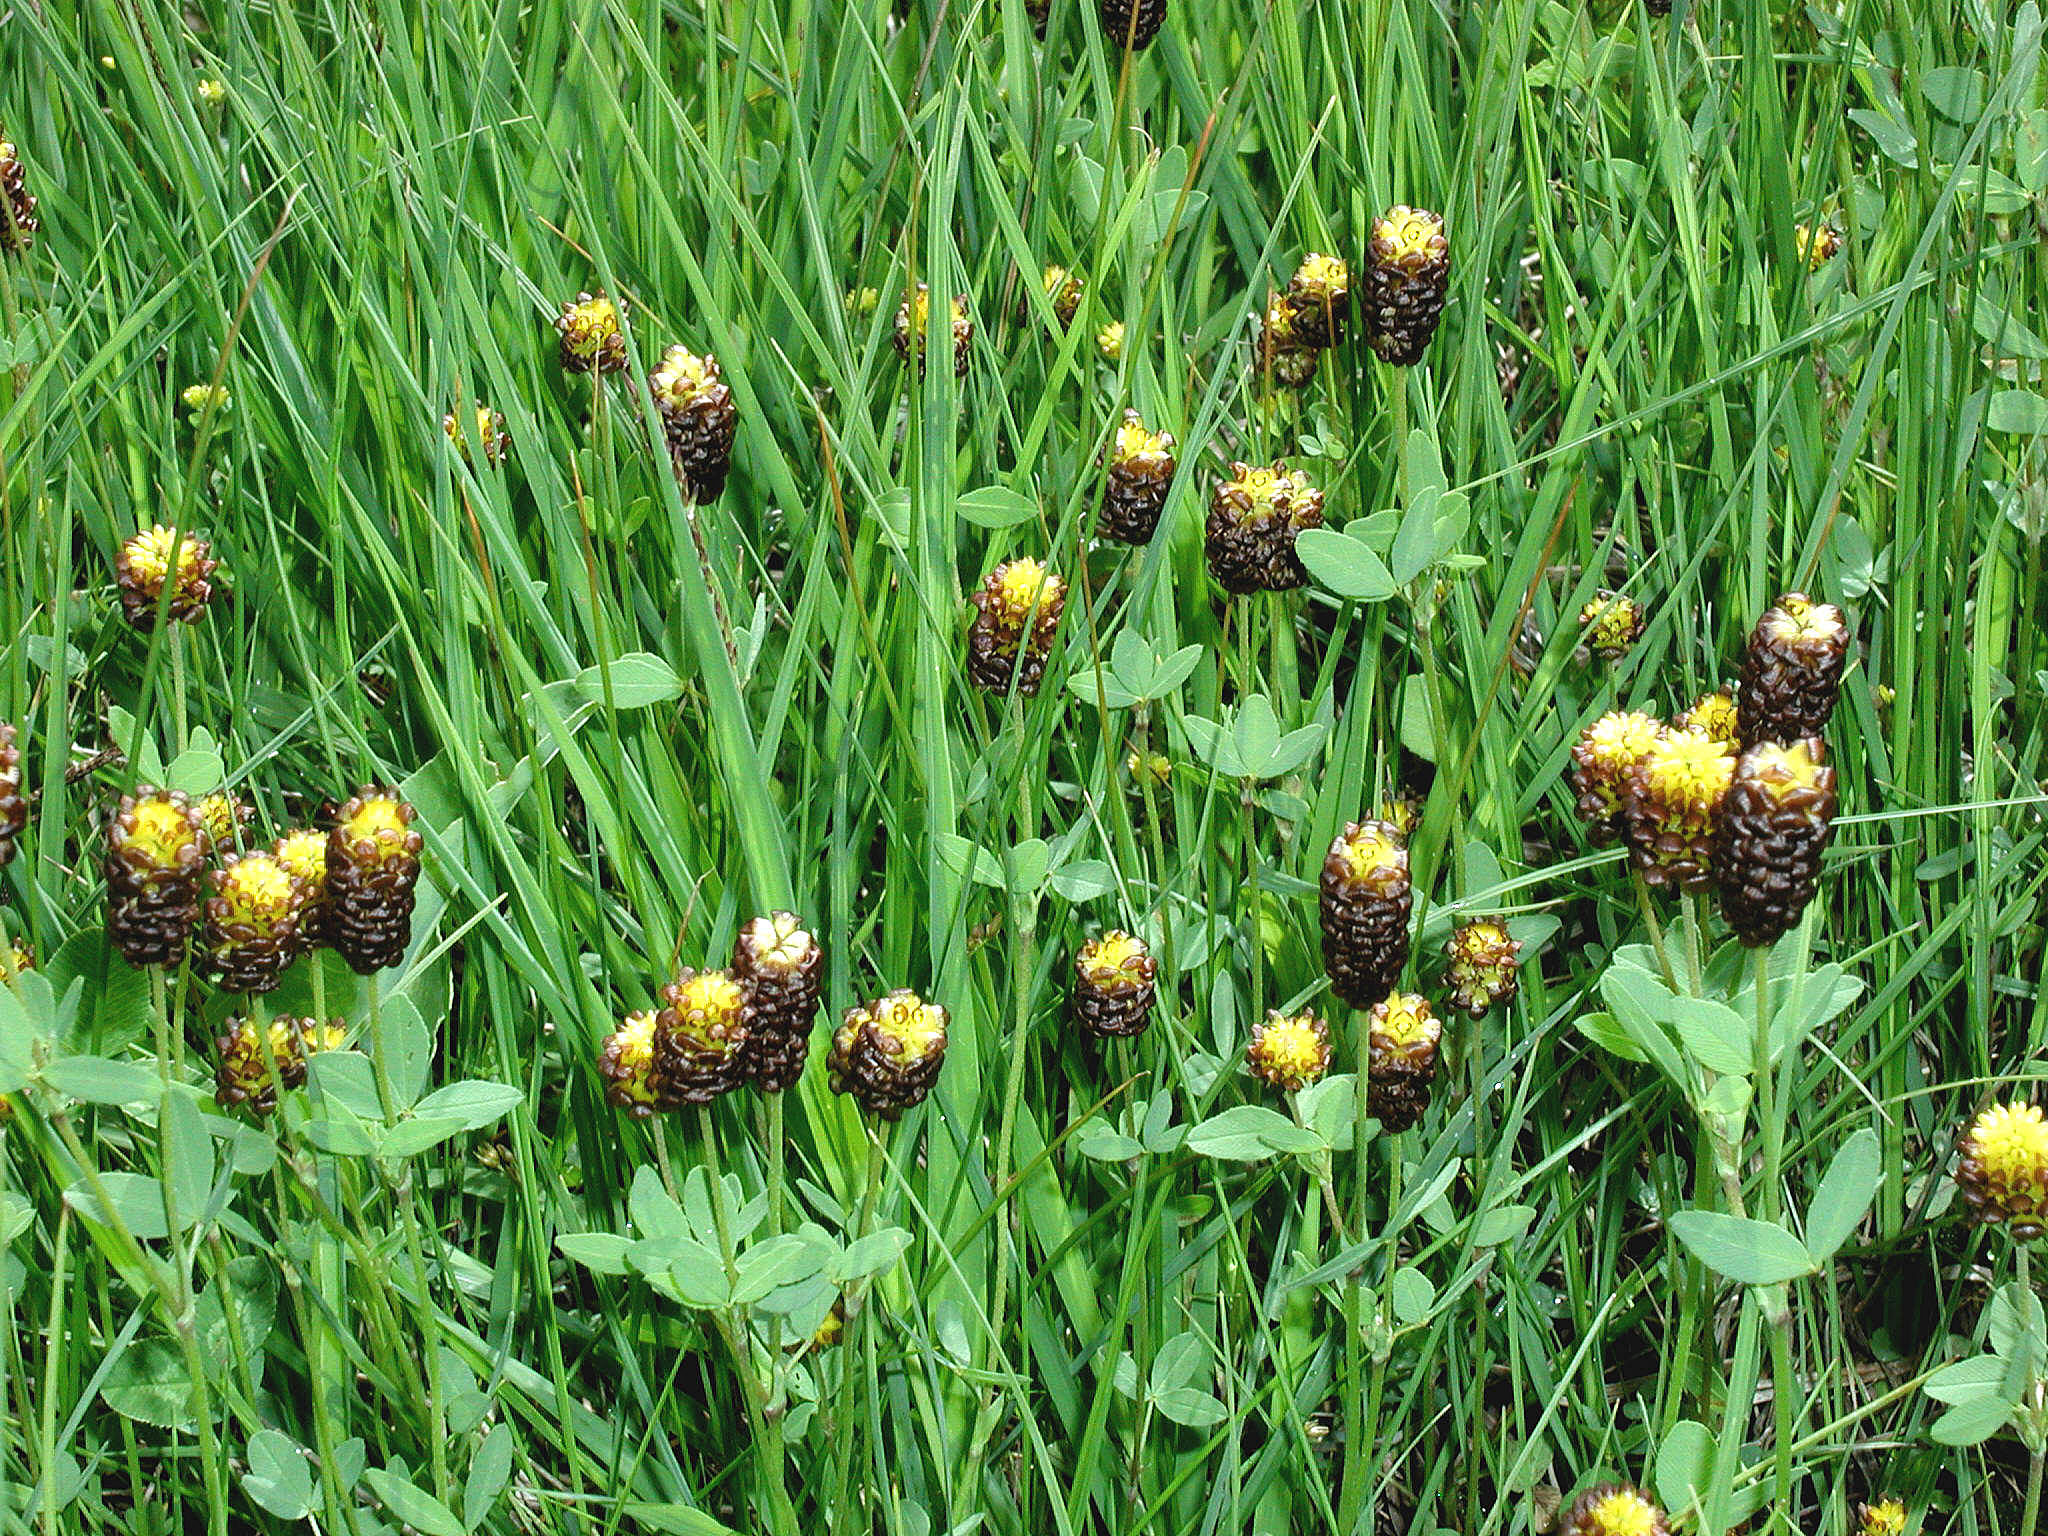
x: 591, y: 339
x: 1365, y: 901
x: 1289, y: 1051
x: 887, y: 1053
x: 1114, y: 986
x: 158, y: 557
x: 2003, y: 1169
x: 373, y: 867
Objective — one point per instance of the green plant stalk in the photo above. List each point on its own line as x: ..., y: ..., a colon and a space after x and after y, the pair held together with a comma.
x: 2037, y: 1451
x: 734, y: 1329
x: 1774, y: 1298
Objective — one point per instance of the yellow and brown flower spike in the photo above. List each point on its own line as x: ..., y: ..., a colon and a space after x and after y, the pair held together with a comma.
x: 1483, y: 966
x: 485, y: 428
x: 1403, y: 1037
x: 1712, y: 714
x: 154, y: 854
x: 1671, y: 808
x: 18, y: 221
x: 697, y: 417
x: 303, y: 853
x: 700, y: 1036
x: 1289, y: 1050
x: 887, y: 1053
x: 1138, y: 470
x: 1285, y: 360
x: 1407, y: 277
x: 627, y: 1061
x: 1063, y: 293
x: 1255, y: 516
x: 1610, y: 624
x: 1792, y: 670
x: 1364, y: 910
x: 243, y: 1075
x: 2003, y: 1169
x: 1817, y: 244
x: 13, y: 802
x: 913, y: 322
x: 1775, y: 825
x: 373, y: 867
x: 1017, y: 609
x: 1114, y: 985
x: 252, y: 923
x: 159, y: 557
x: 782, y: 968
x: 1882, y: 1516
x: 1131, y: 24
x: 1614, y: 1509
x: 1319, y: 296
x: 1604, y: 756
x: 591, y: 339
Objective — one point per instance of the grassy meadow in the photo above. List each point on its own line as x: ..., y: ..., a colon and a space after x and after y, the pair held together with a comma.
x: 1657, y: 1225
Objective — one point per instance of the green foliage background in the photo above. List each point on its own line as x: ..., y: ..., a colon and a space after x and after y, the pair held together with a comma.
x: 629, y: 726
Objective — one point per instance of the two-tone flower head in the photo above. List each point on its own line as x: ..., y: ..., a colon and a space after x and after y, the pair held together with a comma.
x: 160, y: 557
x: 1319, y: 297
x: 1610, y: 625
x: 1138, y: 469
x: 1604, y: 756
x: 1115, y: 985
x: 1484, y: 961
x: 1131, y: 24
x: 697, y: 417
x: 628, y: 1062
x: 1775, y: 825
x: 1063, y: 292
x: 1363, y: 911
x: 16, y: 956
x: 1713, y: 713
x: 1109, y: 341
x: 700, y: 1037
x: 252, y: 922
x: 1882, y: 1516
x: 303, y: 853
x: 222, y: 816
x: 1402, y: 810
x: 155, y: 850
x: 1148, y: 770
x: 1403, y: 1036
x: 1792, y: 670
x: 1817, y: 244
x: 211, y: 92
x: 1407, y: 277
x: 1255, y: 516
x: 1017, y: 609
x: 913, y: 322
x: 781, y: 965
x: 2002, y: 1168
x: 1285, y: 361
x: 18, y: 221
x: 201, y: 398
x: 13, y: 802
x: 861, y: 302
x: 591, y: 339
x: 1289, y: 1051
x: 887, y: 1053
x: 251, y: 1066
x: 1671, y: 808
x: 373, y: 868
x: 485, y: 428
x: 1614, y: 1509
